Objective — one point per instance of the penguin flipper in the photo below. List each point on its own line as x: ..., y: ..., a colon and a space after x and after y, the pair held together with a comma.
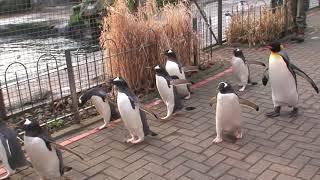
x: 147, y: 111
x: 265, y: 77
x: 256, y: 63
x: 213, y: 100
x: 190, y: 68
x: 58, y: 146
x: 304, y: 76
x: 176, y: 82
x: 248, y: 103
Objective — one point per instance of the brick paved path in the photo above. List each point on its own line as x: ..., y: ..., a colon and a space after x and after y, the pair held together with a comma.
x: 279, y: 148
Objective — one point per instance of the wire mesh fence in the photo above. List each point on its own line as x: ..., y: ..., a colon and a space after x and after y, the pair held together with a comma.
x: 211, y: 10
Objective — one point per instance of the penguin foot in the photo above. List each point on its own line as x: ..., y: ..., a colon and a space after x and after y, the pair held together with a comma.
x: 238, y: 134
x: 217, y: 140
x: 103, y: 126
x: 274, y: 113
x: 294, y: 112
x: 137, y: 141
x: 242, y: 89
x: 187, y: 97
x: 130, y: 140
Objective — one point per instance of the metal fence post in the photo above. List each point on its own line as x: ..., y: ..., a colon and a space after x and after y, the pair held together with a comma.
x: 219, y: 22
x: 73, y: 89
x: 3, y: 113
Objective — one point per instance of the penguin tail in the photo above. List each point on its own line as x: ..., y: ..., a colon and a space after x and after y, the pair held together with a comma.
x: 67, y: 169
x: 153, y: 133
x: 189, y: 108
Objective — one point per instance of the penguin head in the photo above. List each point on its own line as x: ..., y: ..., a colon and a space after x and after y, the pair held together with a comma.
x: 225, y: 87
x: 31, y: 127
x: 119, y: 82
x: 238, y: 52
x: 160, y: 70
x: 275, y: 47
x: 82, y: 100
x: 170, y: 53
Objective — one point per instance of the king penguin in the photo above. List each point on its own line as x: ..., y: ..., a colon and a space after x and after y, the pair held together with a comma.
x: 228, y: 111
x: 45, y: 158
x: 283, y: 80
x: 167, y: 90
x: 132, y: 112
x: 103, y: 105
x: 174, y: 68
x: 11, y: 154
x: 240, y: 69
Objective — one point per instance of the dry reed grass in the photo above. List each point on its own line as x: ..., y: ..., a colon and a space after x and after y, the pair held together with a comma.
x: 138, y: 40
x: 258, y: 25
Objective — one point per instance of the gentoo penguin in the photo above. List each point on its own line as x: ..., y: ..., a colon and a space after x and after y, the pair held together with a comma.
x: 45, y: 158
x: 174, y: 68
x: 283, y: 80
x: 103, y: 105
x: 228, y: 111
x: 240, y: 69
x: 11, y: 154
x: 132, y: 112
x: 167, y: 90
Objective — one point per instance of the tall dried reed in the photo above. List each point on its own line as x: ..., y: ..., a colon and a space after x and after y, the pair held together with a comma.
x: 134, y: 42
x: 258, y: 25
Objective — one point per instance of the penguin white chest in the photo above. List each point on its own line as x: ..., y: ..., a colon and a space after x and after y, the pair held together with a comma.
x: 102, y: 107
x: 131, y: 117
x: 4, y: 158
x: 284, y: 90
x: 44, y: 161
x: 240, y: 71
x: 228, y: 111
x: 165, y: 91
x: 173, y: 70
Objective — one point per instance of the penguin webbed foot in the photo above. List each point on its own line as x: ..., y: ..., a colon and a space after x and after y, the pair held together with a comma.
x: 137, y: 141
x: 242, y: 89
x: 294, y: 112
x: 105, y: 125
x: 217, y: 140
x: 274, y: 113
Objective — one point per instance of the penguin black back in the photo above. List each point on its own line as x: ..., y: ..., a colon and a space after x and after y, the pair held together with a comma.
x: 12, y: 146
x: 92, y: 92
